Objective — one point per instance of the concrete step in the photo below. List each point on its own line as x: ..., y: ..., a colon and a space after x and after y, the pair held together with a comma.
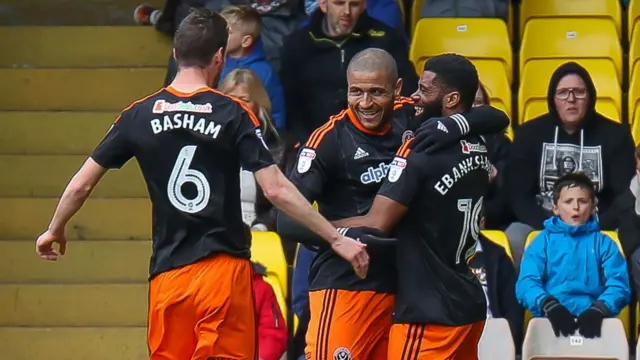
x: 108, y: 261
x: 73, y: 343
x: 83, y: 46
x: 99, y: 219
x: 77, y: 89
x: 74, y: 305
x: 69, y: 12
x: 48, y: 175
x: 55, y: 133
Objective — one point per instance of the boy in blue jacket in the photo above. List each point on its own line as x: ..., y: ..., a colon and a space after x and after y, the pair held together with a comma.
x: 245, y: 51
x: 571, y: 273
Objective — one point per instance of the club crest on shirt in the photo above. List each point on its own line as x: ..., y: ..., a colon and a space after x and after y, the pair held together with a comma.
x: 395, y: 169
x: 305, y: 159
x: 342, y: 353
x: 406, y: 136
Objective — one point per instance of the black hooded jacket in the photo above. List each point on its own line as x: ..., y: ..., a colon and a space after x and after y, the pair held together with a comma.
x: 542, y: 151
x: 313, y: 72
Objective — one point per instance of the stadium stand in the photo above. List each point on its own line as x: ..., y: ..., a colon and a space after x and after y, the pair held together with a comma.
x: 496, y: 341
x: 541, y: 343
x: 484, y: 41
x: 610, y: 10
x: 532, y: 95
x: 625, y: 314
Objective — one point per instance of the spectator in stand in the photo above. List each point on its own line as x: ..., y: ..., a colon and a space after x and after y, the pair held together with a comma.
x: 257, y: 211
x: 244, y: 51
x: 315, y: 58
x: 497, y: 274
x: 572, y: 273
x: 387, y: 11
x: 628, y: 204
x: 279, y: 19
x: 245, y: 85
x: 272, y: 332
x: 571, y: 137
x: 496, y: 207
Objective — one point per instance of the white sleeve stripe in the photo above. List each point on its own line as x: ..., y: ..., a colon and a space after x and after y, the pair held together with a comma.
x: 463, y: 121
x: 457, y: 123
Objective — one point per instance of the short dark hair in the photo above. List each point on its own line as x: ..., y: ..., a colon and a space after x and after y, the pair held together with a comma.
x: 456, y: 73
x: 200, y: 35
x: 572, y: 180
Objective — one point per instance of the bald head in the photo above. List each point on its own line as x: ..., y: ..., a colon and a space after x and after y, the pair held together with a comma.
x: 374, y: 60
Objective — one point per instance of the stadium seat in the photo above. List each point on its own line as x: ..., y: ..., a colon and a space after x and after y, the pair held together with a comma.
x: 633, y: 17
x: 532, y: 97
x: 541, y: 343
x: 593, y: 9
x: 483, y: 40
x: 266, y: 248
x: 499, y: 238
x: 624, y: 316
x: 571, y: 39
x: 497, y: 85
x: 496, y: 341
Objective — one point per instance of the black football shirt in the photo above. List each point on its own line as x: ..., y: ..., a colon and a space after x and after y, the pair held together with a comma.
x: 437, y: 236
x: 190, y: 148
x: 342, y: 167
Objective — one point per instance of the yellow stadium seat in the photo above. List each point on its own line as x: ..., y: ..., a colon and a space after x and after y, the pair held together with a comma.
x: 266, y: 248
x: 571, y: 39
x: 497, y: 85
x: 416, y: 7
x: 280, y: 294
x: 633, y: 16
x: 532, y: 97
x: 634, y: 72
x: 634, y: 103
x: 595, y: 9
x: 624, y: 315
x: 483, y: 40
x: 499, y: 238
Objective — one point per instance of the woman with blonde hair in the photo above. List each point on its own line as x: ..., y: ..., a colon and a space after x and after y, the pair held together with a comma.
x: 245, y: 85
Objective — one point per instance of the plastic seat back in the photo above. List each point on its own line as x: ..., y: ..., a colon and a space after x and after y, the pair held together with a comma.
x: 571, y: 39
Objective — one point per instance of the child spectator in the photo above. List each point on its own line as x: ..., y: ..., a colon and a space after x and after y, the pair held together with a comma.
x: 571, y: 272
x: 245, y: 51
x: 272, y: 332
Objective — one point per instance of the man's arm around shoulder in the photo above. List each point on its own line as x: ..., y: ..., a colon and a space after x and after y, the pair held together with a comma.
x: 284, y: 195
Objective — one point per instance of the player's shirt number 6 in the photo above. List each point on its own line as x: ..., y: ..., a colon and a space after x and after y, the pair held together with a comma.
x: 182, y: 174
x: 471, y: 223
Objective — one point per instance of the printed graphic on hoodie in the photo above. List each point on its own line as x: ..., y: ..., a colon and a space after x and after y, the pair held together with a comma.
x: 561, y: 159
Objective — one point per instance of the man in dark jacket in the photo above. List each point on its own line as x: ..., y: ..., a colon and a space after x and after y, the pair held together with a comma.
x: 315, y: 59
x: 571, y: 137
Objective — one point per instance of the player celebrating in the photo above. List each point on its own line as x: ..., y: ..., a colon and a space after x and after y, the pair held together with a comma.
x: 435, y: 200
x: 190, y: 141
x: 342, y: 167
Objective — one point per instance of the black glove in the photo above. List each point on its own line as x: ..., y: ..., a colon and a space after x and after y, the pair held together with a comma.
x: 367, y: 235
x: 436, y: 133
x: 590, y: 321
x: 562, y: 321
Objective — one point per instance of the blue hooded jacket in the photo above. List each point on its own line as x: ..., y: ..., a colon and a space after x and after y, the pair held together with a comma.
x: 578, y: 265
x: 256, y: 60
